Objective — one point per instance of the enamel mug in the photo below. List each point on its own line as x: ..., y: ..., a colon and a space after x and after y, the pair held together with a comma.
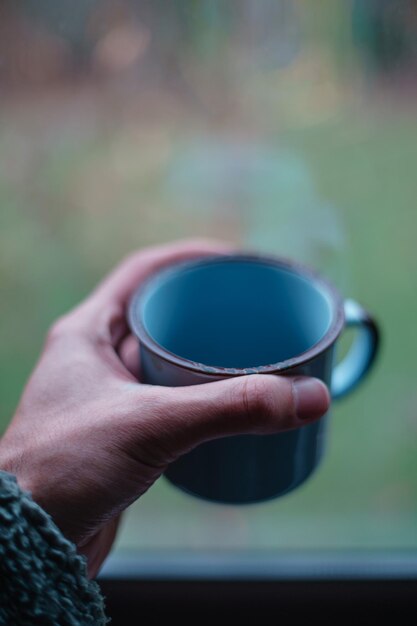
x: 216, y: 317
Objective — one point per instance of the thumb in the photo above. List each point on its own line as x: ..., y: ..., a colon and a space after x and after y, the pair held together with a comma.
x: 255, y: 404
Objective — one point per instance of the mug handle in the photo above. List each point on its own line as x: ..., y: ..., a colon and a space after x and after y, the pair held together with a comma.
x: 361, y: 355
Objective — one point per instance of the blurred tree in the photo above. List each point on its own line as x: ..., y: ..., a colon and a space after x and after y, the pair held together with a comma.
x: 66, y: 19
x: 386, y: 32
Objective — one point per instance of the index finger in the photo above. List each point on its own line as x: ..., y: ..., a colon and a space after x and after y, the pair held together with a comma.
x: 103, y: 312
x: 118, y: 286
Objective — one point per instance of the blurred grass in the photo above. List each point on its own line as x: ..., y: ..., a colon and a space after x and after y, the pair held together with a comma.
x: 57, y: 237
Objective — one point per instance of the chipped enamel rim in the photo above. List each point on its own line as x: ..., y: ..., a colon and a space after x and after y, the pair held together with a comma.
x: 326, y: 289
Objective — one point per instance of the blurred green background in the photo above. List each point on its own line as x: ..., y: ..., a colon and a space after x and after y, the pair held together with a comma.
x: 284, y: 126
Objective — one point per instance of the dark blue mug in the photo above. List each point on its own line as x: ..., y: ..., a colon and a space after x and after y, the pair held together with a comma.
x: 223, y: 316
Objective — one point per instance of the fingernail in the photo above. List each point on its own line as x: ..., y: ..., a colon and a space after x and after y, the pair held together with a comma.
x: 311, y: 397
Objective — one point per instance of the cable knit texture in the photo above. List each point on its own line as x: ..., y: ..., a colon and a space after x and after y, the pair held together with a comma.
x: 42, y: 578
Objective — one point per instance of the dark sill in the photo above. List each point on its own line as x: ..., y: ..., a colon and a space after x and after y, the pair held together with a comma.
x: 289, y: 588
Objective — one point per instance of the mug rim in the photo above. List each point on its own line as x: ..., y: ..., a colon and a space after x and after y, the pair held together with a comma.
x: 336, y: 325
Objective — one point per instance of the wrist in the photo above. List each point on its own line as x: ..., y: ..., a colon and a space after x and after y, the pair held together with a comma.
x: 11, y: 461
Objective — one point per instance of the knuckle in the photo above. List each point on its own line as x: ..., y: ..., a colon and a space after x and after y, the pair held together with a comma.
x: 58, y: 329
x: 256, y: 397
x: 67, y: 325
x: 135, y: 257
x: 132, y: 257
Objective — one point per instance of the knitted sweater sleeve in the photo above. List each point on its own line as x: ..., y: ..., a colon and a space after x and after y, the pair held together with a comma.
x: 42, y: 578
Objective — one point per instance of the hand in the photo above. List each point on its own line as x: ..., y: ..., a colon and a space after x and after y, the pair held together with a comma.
x: 88, y: 439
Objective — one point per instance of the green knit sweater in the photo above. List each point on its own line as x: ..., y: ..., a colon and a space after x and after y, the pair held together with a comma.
x: 42, y: 578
